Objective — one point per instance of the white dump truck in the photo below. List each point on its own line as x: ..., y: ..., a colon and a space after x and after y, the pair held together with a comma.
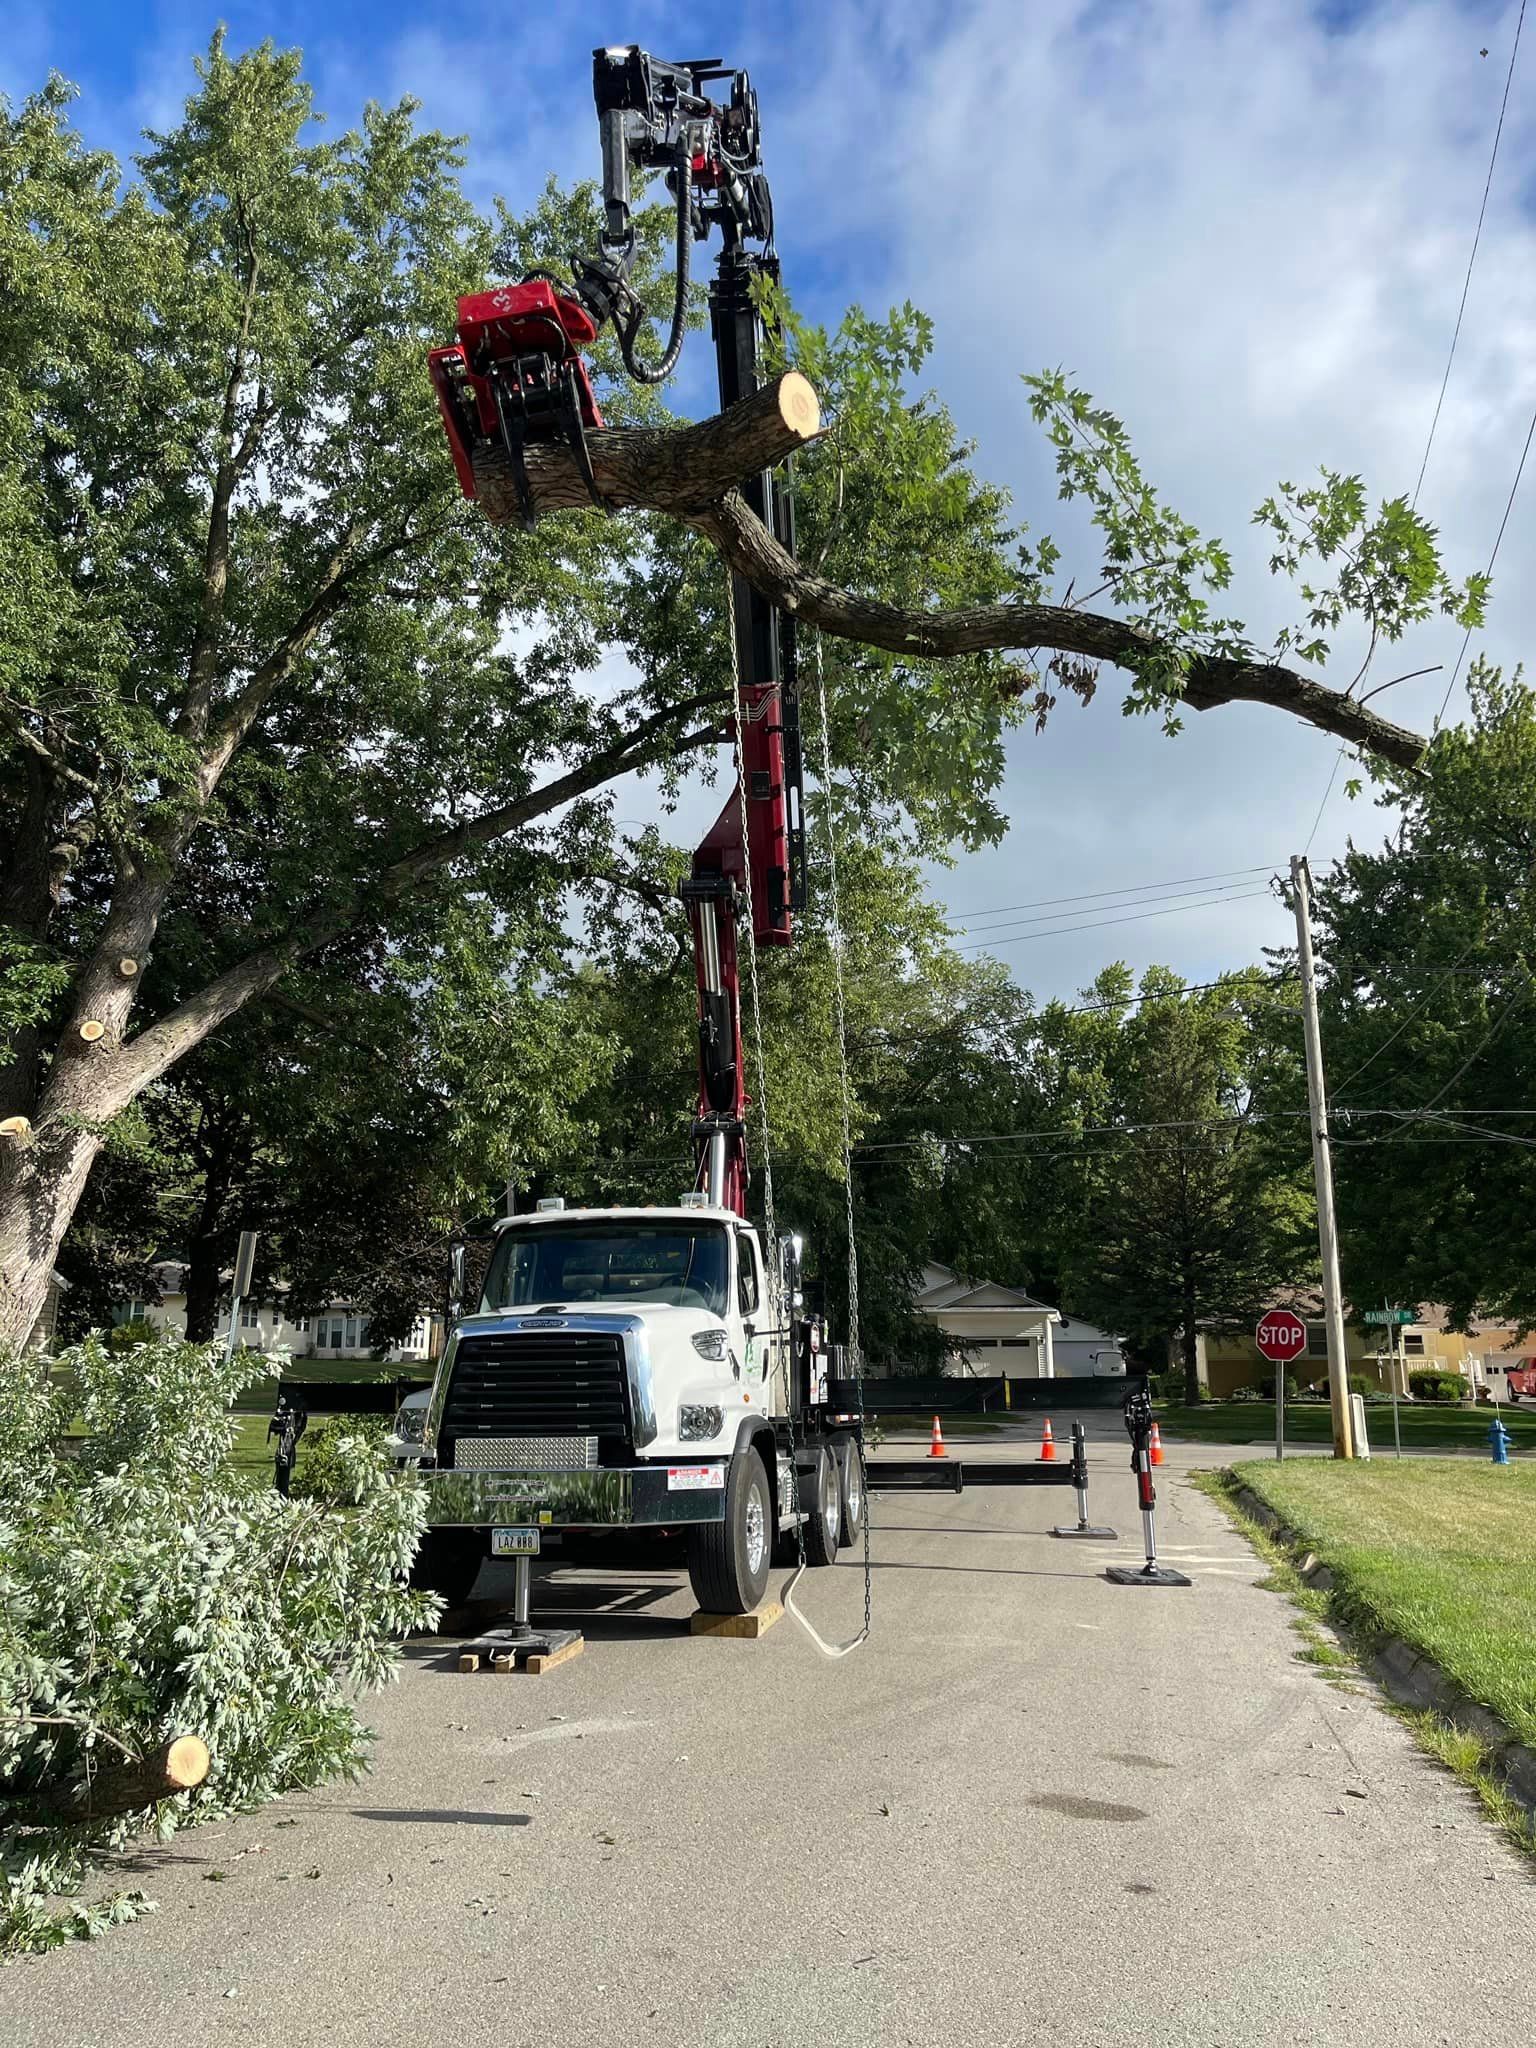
x: 623, y: 1373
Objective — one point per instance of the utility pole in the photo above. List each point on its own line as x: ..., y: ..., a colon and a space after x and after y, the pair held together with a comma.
x: 1322, y: 1167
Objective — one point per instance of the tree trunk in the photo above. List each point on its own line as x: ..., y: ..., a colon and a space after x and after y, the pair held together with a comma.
x: 40, y: 1187
x: 1190, y: 1340
x: 202, y: 1287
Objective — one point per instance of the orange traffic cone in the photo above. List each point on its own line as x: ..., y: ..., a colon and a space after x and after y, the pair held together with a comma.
x: 1047, y: 1444
x: 1157, y: 1445
x: 936, y: 1441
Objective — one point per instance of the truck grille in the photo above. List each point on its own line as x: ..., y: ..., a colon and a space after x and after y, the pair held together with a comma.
x: 565, y: 1383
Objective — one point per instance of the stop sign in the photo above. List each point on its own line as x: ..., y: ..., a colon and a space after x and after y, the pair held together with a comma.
x: 1281, y: 1336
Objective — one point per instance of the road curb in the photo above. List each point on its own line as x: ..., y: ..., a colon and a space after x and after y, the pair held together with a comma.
x: 1410, y: 1677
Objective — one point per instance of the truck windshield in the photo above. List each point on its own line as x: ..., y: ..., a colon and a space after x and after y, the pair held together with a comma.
x: 612, y: 1263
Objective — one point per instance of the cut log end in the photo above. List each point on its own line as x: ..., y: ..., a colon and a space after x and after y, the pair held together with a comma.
x: 186, y: 1763
x: 18, y: 1129
x: 127, y: 967
x: 92, y: 1029
x: 799, y: 407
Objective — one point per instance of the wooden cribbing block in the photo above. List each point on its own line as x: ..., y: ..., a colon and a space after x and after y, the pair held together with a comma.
x: 468, y: 1661
x: 536, y: 1664
x: 751, y: 1626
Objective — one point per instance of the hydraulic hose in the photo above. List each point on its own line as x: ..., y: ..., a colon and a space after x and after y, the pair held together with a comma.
x: 660, y: 372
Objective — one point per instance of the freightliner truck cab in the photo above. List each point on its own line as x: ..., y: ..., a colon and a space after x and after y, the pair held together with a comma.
x: 626, y: 1371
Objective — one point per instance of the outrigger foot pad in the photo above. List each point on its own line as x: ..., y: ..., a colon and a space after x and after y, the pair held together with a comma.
x: 1146, y: 1575
x: 533, y: 1651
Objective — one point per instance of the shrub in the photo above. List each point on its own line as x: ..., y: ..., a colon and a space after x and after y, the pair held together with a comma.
x: 1362, y: 1384
x: 329, y: 1457
x: 210, y: 1606
x: 1265, y: 1388
x: 1433, y: 1383
x: 126, y: 1335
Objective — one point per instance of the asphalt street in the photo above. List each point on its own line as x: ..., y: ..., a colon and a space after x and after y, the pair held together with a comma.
x: 1034, y: 1807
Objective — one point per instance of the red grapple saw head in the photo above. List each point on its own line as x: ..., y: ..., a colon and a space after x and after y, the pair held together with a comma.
x: 515, y: 376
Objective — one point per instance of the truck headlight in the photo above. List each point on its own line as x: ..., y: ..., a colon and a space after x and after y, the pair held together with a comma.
x: 411, y: 1424
x: 711, y: 1344
x: 697, y: 1423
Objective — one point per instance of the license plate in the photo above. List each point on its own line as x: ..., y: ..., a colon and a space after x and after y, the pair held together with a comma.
x: 514, y: 1543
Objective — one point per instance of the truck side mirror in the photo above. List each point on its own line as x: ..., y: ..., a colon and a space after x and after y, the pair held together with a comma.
x: 457, y: 1260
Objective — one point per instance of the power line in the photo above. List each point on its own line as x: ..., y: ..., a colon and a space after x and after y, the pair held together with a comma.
x: 1128, y: 889
x: 1509, y: 506
x: 1472, y: 258
x: 1144, y: 904
x: 1420, y: 1005
x: 1333, y: 776
x: 1101, y: 924
x: 1187, y: 988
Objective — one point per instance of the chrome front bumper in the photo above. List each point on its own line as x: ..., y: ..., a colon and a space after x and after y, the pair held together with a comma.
x: 629, y: 1496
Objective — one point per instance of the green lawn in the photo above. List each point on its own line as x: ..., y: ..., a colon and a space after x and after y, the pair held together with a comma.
x: 260, y: 1397
x: 1424, y: 1426
x: 1441, y: 1552
x: 252, y: 1455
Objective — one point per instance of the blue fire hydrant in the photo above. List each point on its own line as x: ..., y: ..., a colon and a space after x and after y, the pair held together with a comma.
x: 1498, y: 1437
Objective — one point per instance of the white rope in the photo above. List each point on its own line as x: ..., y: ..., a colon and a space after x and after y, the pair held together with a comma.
x: 770, y: 1224
x: 855, y: 1355
x: 855, y: 1347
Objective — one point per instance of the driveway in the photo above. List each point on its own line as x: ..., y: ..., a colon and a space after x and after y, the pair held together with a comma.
x: 1033, y: 1808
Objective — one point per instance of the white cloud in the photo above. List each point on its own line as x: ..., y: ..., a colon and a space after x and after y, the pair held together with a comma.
x: 1246, y: 233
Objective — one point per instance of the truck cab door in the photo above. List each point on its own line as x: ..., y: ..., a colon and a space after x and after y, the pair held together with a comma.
x: 752, y: 1337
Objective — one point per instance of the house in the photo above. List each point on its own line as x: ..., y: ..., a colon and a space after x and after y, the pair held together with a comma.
x: 43, y: 1332
x: 338, y: 1331
x: 1228, y: 1359
x: 990, y: 1329
x: 1484, y: 1356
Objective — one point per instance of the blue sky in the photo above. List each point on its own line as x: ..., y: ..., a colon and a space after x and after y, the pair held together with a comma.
x: 1243, y: 224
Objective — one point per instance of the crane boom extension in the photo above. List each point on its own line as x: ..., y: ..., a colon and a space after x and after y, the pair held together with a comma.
x: 516, y: 375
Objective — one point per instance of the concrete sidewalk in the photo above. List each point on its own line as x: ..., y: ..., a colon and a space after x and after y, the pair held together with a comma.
x: 1034, y: 1808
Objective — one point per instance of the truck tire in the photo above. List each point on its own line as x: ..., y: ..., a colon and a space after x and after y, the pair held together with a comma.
x: 448, y: 1562
x: 821, y: 1496
x: 729, y: 1560
x: 853, y: 1488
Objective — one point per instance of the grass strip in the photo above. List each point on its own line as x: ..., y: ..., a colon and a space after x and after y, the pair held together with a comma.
x: 1423, y: 1426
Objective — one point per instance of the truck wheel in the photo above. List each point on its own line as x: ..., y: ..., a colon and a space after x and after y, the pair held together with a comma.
x: 728, y: 1561
x: 850, y: 1465
x: 448, y: 1562
x: 821, y: 1496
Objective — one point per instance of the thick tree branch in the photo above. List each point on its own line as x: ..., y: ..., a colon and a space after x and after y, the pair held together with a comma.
x: 754, y: 553
x: 144, y: 1058
x: 665, y: 469
x: 691, y: 473
x: 202, y: 665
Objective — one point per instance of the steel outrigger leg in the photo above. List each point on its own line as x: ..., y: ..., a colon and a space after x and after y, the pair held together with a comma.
x: 1138, y: 1423
x: 1083, y: 1526
x: 518, y: 1644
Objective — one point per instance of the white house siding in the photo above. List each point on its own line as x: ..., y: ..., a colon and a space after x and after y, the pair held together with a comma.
x: 339, y: 1331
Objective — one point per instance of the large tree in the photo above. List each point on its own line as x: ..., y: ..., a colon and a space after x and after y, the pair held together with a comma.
x: 1427, y: 945
x: 257, y: 654
x: 1179, y: 1209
